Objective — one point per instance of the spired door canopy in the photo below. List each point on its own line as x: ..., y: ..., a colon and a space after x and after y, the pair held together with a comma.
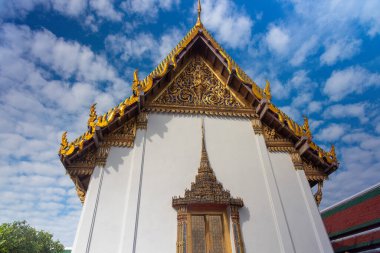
x: 199, y: 230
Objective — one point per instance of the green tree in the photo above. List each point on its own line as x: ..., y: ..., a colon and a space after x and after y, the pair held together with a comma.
x: 19, y: 237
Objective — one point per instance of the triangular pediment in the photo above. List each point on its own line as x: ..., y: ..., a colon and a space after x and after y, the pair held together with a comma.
x: 196, y: 88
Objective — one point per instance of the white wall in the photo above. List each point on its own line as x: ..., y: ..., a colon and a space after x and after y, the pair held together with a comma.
x: 300, y: 209
x: 135, y: 214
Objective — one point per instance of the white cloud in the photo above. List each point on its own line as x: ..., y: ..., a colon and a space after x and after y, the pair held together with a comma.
x: 306, y: 48
x: 47, y: 84
x: 143, y: 46
x: 358, y: 110
x: 105, y: 8
x: 360, y: 160
x: 329, y: 29
x: 73, y: 8
x: 314, y: 106
x: 332, y: 132
x: 350, y: 80
x: 339, y: 50
x: 232, y: 26
x: 148, y: 8
x: 277, y: 40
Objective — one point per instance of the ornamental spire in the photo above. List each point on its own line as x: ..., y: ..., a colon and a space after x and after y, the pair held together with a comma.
x: 267, y: 91
x: 92, y: 118
x: 205, y: 164
x: 199, y: 9
x: 136, y: 83
x: 306, y: 128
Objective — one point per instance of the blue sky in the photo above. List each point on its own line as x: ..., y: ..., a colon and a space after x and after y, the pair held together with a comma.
x: 57, y: 57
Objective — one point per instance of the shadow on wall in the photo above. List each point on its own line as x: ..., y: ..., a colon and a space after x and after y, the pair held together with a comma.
x: 245, y: 215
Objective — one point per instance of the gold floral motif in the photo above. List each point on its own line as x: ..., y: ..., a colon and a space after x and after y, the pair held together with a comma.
x: 123, y: 137
x: 312, y: 172
x: 142, y: 120
x: 256, y: 124
x: 275, y: 143
x: 306, y: 128
x: 297, y: 161
x: 83, y: 162
x: 318, y: 195
x: 267, y: 94
x: 81, y: 192
x: 196, y: 85
x: 92, y: 119
x: 102, y: 154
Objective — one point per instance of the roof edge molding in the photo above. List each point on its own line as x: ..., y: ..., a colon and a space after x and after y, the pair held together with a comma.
x: 258, y: 100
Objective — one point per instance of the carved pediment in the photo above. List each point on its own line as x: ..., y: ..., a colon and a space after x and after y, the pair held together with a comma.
x: 198, y: 89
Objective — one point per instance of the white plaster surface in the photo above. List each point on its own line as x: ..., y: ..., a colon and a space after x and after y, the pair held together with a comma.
x: 302, y: 214
x: 135, y: 214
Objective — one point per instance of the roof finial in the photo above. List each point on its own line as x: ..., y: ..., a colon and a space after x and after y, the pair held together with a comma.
x: 199, y: 23
x: 267, y: 91
x: 306, y: 128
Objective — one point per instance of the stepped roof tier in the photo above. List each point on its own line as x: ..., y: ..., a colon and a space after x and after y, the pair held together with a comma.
x: 257, y: 101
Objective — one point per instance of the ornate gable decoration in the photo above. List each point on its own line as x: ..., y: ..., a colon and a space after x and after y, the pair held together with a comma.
x: 197, y: 89
x: 206, y: 189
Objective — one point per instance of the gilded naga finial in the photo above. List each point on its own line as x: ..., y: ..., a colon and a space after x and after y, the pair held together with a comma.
x: 136, y: 83
x: 306, y: 128
x: 267, y: 91
x: 199, y: 9
x: 64, y: 142
x: 91, y: 120
x: 332, y: 152
x: 318, y: 195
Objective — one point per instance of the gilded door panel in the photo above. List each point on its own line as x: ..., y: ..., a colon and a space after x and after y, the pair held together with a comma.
x: 198, y: 234
x: 215, y: 233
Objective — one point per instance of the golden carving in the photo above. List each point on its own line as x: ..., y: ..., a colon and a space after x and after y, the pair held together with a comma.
x: 171, y: 60
x: 92, y: 118
x: 87, y: 161
x: 81, y: 192
x: 124, y: 136
x: 318, y: 195
x: 142, y: 120
x: 312, y: 172
x: 206, y: 189
x: 199, y: 9
x: 136, y: 86
x: 238, y: 239
x: 256, y: 124
x: 275, y: 143
x: 297, y: 161
x: 66, y: 148
x: 269, y: 133
x: 332, y: 153
x: 181, y: 229
x: 267, y: 94
x: 102, y: 154
x: 196, y: 86
x: 306, y: 128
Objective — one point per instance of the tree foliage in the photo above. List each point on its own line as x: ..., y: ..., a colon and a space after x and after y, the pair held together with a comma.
x: 19, y: 237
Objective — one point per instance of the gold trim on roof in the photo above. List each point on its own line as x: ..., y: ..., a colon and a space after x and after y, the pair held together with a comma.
x: 146, y: 84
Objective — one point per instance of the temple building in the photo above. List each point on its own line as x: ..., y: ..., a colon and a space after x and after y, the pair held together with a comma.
x: 353, y: 224
x: 198, y: 159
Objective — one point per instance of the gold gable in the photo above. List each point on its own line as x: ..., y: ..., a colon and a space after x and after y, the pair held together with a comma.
x: 197, y: 89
